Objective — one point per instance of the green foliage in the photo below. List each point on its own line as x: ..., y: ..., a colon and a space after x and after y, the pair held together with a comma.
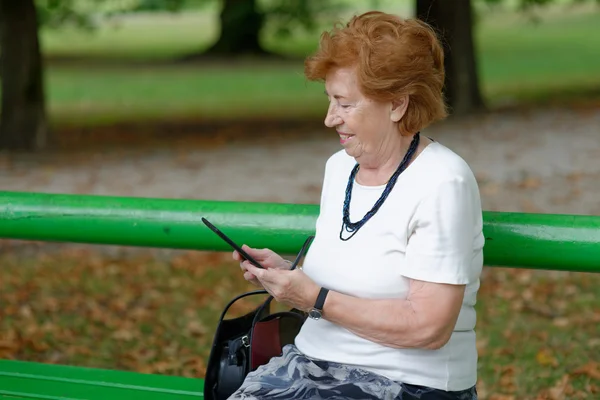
x: 54, y: 13
x: 89, y: 13
x: 527, y: 5
x: 159, y: 5
x: 289, y: 16
x: 285, y: 16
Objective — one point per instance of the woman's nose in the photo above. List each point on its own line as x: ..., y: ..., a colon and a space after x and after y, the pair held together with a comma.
x: 331, y: 119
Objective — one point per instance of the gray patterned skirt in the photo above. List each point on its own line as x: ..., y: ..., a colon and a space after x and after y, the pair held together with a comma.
x: 295, y: 376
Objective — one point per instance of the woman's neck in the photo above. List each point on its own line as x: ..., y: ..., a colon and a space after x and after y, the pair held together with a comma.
x: 378, y: 171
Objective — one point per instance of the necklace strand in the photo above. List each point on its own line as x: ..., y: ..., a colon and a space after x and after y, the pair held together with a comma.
x: 353, y: 227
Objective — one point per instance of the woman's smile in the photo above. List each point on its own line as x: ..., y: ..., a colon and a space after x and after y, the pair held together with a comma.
x: 345, y: 137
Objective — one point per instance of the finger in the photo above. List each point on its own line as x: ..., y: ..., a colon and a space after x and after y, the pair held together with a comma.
x: 245, y: 264
x: 238, y: 256
x: 258, y: 253
x: 257, y: 272
x: 249, y: 276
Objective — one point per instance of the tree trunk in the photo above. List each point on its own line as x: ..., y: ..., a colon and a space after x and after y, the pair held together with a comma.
x: 23, y: 120
x: 453, y: 19
x: 241, y: 24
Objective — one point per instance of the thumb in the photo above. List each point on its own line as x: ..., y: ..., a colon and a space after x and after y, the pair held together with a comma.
x: 262, y: 253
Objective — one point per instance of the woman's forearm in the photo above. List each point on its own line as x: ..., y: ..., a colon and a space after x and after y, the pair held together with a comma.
x: 398, y: 323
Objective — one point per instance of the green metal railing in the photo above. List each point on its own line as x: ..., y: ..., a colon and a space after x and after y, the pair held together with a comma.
x: 538, y: 241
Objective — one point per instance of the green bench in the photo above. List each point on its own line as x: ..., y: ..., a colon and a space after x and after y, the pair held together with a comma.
x: 29, y: 380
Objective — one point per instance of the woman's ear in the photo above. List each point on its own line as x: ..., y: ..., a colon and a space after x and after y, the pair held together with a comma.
x: 399, y: 107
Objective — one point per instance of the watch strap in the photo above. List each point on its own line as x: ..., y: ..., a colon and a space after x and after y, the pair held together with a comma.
x: 321, y: 298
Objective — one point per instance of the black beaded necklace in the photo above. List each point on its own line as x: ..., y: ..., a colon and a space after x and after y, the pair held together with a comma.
x: 353, y: 227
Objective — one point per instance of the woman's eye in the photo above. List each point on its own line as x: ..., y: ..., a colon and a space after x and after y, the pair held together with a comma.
x: 344, y: 105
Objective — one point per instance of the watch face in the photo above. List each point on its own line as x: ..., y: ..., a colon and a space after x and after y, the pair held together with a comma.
x: 314, y: 314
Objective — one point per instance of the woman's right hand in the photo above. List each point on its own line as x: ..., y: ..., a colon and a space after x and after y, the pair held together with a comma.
x: 266, y: 257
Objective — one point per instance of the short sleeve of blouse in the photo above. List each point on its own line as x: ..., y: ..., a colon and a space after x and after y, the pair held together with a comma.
x: 441, y: 237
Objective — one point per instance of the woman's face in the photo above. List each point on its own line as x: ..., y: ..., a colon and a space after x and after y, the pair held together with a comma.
x: 366, y: 127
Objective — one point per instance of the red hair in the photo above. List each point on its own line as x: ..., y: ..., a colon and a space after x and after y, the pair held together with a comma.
x: 392, y: 57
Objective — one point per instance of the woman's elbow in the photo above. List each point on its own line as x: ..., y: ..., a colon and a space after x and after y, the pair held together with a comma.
x: 437, y: 343
x: 427, y: 337
x: 437, y: 337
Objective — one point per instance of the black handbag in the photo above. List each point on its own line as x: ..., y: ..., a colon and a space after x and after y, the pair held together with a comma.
x: 244, y: 343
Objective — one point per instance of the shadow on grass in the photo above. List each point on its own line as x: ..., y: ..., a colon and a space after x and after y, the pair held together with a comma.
x: 195, y: 59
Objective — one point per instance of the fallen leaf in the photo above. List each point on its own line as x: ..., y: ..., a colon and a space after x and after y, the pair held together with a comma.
x: 561, y: 322
x: 196, y: 328
x: 124, y: 334
x: 575, y: 176
x: 8, y: 348
x: 545, y: 358
x: 591, y: 369
x: 490, y: 189
x: 532, y: 182
x: 560, y: 390
x: 507, y: 378
x: 481, y: 345
x: 496, y: 396
x: 529, y: 206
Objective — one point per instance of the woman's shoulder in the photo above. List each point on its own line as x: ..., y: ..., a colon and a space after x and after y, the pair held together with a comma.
x: 438, y: 164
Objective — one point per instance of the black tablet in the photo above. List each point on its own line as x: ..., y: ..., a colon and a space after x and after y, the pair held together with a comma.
x: 231, y: 243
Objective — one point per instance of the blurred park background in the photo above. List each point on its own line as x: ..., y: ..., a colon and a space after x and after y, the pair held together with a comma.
x: 206, y: 99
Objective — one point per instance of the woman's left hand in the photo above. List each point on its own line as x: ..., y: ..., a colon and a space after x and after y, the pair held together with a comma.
x: 292, y: 288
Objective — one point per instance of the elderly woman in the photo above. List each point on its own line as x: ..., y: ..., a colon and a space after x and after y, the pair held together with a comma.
x: 391, y: 278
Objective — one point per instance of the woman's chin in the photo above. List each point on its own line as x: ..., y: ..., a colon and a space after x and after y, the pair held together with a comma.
x: 352, y: 151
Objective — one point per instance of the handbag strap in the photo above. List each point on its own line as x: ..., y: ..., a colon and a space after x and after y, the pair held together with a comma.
x: 302, y: 252
x: 241, y: 296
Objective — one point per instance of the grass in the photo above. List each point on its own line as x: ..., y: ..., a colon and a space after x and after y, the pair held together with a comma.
x: 79, y: 308
x: 98, y: 95
x: 538, y: 332
x: 147, y: 37
x: 528, y: 60
x: 128, y: 75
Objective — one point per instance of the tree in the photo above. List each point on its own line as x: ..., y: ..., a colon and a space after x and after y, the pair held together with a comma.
x: 453, y: 19
x: 241, y: 24
x: 23, y: 123
x: 243, y: 21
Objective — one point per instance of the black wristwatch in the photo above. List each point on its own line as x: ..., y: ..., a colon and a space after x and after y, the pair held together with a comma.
x: 317, y: 310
